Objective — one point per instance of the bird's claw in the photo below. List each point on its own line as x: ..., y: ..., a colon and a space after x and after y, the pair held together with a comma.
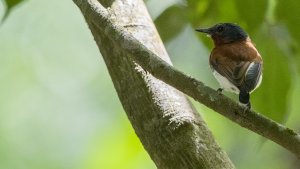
x: 247, y: 107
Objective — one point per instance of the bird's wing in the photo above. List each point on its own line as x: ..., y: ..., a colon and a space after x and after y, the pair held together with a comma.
x: 243, y: 74
x: 253, y: 76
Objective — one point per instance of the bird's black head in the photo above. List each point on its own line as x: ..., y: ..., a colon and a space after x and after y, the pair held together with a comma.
x: 223, y: 33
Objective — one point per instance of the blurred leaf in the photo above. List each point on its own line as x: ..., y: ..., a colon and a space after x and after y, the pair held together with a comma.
x: 288, y: 13
x: 207, y: 13
x: 211, y: 12
x: 196, y: 10
x: 252, y: 12
x: 271, y: 98
x: 9, y: 5
x: 156, y: 7
x: 171, y: 22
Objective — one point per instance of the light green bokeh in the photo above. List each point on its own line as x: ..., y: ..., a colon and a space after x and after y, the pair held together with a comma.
x: 57, y: 103
x: 59, y: 109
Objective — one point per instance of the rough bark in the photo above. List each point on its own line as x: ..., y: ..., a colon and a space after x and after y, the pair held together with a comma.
x: 151, y: 62
x: 170, y: 129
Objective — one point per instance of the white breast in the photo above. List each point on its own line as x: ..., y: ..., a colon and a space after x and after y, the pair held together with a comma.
x: 225, y: 84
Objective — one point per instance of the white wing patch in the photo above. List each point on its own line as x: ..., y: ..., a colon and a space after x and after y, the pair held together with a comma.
x: 258, y: 84
x: 259, y: 80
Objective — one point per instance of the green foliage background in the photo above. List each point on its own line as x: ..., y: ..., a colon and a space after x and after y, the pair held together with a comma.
x: 59, y: 109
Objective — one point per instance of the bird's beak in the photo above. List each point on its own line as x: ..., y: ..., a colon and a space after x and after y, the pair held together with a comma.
x: 204, y: 30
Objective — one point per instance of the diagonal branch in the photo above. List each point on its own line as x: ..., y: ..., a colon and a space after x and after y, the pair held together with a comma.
x: 160, y: 69
x: 169, y: 127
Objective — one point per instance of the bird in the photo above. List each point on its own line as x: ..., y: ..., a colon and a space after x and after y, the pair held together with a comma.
x: 235, y: 62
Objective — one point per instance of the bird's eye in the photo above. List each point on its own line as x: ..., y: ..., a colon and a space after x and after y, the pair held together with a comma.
x: 220, y: 29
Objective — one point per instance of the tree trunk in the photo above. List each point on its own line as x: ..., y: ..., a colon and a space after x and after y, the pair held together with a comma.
x: 169, y: 127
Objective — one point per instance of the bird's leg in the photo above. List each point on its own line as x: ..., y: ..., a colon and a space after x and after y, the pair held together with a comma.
x: 219, y: 90
x: 244, y: 98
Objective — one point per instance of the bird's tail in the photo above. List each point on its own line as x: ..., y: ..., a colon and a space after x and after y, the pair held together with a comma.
x: 244, y: 98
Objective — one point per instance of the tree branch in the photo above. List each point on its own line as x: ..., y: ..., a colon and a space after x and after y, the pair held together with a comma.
x: 169, y: 127
x: 160, y: 69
